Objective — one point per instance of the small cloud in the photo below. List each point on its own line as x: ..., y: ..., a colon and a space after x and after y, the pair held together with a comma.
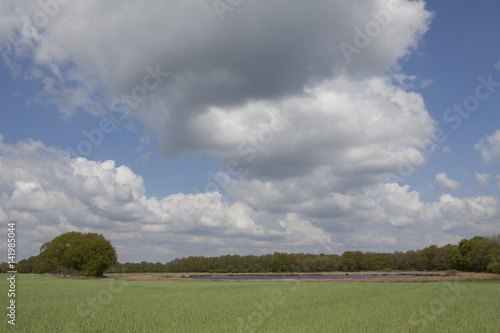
x: 489, y: 147
x: 146, y: 158
x: 447, y: 150
x: 483, y: 179
x: 405, y: 81
x: 33, y: 74
x: 425, y: 83
x: 497, y: 65
x: 498, y: 180
x: 160, y: 249
x: 442, y: 182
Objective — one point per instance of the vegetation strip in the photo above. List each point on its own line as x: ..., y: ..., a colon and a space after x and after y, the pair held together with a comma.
x: 91, y: 255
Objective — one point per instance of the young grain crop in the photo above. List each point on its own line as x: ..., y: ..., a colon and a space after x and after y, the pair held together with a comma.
x: 50, y: 304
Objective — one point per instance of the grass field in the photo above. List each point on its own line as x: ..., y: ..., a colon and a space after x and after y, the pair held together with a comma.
x: 50, y: 304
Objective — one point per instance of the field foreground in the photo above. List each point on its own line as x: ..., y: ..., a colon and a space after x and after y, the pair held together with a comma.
x: 51, y: 304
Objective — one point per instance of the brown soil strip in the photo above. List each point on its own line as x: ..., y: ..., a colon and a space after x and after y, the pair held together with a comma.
x: 423, y: 277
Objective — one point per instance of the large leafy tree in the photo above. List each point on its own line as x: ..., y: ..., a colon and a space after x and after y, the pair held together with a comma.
x: 461, y: 254
x: 352, y: 261
x: 88, y: 254
x: 482, y: 254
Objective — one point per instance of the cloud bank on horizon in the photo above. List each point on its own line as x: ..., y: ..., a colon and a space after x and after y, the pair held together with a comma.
x: 305, y: 105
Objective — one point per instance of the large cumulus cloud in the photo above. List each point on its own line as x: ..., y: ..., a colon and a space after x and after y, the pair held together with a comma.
x: 263, y: 52
x: 49, y: 193
x: 307, y: 135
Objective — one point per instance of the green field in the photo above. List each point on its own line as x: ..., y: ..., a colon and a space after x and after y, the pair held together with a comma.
x: 49, y: 304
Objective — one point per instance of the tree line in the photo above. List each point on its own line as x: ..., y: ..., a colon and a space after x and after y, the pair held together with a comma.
x: 92, y: 255
x: 477, y: 254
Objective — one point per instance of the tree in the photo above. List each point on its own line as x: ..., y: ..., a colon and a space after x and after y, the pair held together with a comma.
x: 352, y: 261
x: 4, y: 267
x: 411, y: 260
x: 494, y: 265
x: 426, y: 257
x: 443, y: 259
x: 371, y: 261
x: 294, y: 262
x: 495, y: 238
x: 461, y: 252
x: 27, y: 265
x: 87, y: 254
x: 383, y: 261
x: 332, y: 263
x: 279, y: 262
x: 482, y: 254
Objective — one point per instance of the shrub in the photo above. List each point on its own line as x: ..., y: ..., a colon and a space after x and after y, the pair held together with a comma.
x: 451, y: 272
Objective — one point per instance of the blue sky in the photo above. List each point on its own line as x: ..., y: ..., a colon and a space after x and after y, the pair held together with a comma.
x: 458, y: 48
x: 263, y: 89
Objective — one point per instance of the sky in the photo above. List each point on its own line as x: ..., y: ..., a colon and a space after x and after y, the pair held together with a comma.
x: 212, y: 127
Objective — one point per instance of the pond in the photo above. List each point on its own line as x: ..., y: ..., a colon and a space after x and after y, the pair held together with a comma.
x: 302, y: 277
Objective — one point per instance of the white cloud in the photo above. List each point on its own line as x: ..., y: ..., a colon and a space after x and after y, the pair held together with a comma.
x: 224, y: 66
x: 498, y: 179
x: 342, y: 134
x: 447, y: 150
x: 457, y: 213
x: 376, y: 239
x: 3, y: 216
x: 483, y: 179
x: 395, y: 216
x: 349, y: 123
x: 405, y: 81
x: 497, y: 65
x: 316, y: 177
x: 50, y: 193
x: 443, y: 182
x: 489, y: 147
x: 425, y: 83
x: 402, y: 207
x: 301, y: 232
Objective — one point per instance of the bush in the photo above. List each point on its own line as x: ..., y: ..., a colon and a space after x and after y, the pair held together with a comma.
x: 451, y: 272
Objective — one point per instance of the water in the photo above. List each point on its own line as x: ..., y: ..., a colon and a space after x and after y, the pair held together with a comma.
x: 303, y: 277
